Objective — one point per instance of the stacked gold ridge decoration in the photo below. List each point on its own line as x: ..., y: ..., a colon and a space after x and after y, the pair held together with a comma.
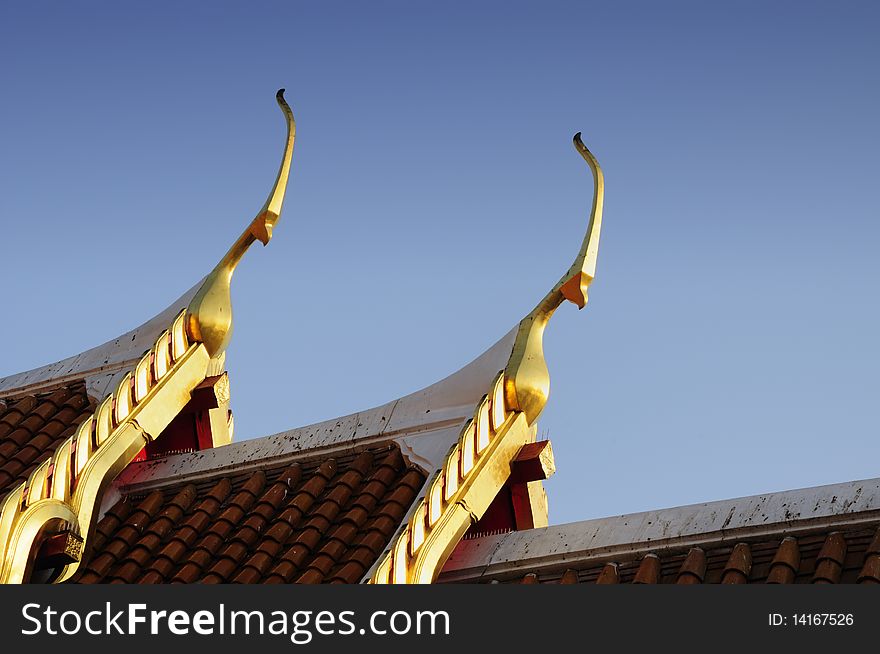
x: 478, y: 465
x: 64, y: 492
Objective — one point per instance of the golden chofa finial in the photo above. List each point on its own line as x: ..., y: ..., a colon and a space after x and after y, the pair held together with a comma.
x: 209, y: 315
x: 577, y: 280
x: 527, y: 380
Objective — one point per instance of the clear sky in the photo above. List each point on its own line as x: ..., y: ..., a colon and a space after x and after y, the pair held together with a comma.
x: 730, y: 346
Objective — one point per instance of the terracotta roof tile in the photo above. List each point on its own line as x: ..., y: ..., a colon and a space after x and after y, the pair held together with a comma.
x: 347, y: 531
x: 291, y: 476
x: 247, y: 575
x: 569, y: 577
x: 349, y: 573
x: 414, y: 479
x: 339, y: 495
x: 389, y: 469
x: 111, y: 521
x: 310, y: 576
x: 220, y: 491
x: 323, y: 563
x: 154, y: 576
x: 693, y: 570
x: 403, y: 495
x: 301, y: 503
x: 786, y: 563
x: 323, y: 515
x: 281, y: 529
x: 103, y: 556
x: 383, y: 523
x: 220, y: 571
x: 738, y: 566
x: 395, y: 507
x: 254, y: 484
x: 610, y: 574
x: 870, y: 572
x: 373, y: 540
x: 188, y: 574
x: 351, y: 478
x: 127, y: 573
x: 287, y: 566
x: 333, y: 549
x: 358, y: 514
x: 874, y: 545
x: 829, y: 562
x: 363, y: 555
x: 311, y: 536
x: 375, y: 488
x: 234, y: 551
x: 649, y: 570
x: 316, y: 484
x: 308, y: 523
x: 173, y: 551
x: 254, y: 568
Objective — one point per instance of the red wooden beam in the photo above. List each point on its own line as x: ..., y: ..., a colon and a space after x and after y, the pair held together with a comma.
x: 533, y: 462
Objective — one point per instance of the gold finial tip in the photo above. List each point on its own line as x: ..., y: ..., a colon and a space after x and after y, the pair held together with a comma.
x: 279, y: 97
x: 579, y: 144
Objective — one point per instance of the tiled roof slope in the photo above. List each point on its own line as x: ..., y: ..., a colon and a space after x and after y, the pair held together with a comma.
x: 846, y: 557
x: 32, y: 426
x: 323, y: 521
x: 824, y: 534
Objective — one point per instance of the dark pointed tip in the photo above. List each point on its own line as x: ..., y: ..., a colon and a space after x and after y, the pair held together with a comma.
x: 280, y: 94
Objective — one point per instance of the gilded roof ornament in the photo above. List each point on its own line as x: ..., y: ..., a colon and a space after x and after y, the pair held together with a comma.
x: 64, y: 491
x: 479, y: 464
x: 527, y: 380
x: 209, y: 315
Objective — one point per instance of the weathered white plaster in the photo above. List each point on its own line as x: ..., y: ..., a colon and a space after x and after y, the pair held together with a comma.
x: 604, y: 539
x: 428, y: 449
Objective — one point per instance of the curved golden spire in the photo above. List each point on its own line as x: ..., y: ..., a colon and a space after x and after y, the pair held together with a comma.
x: 527, y: 380
x: 209, y: 315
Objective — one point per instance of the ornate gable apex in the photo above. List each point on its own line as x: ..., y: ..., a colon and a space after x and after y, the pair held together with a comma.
x: 142, y: 383
x: 459, y: 455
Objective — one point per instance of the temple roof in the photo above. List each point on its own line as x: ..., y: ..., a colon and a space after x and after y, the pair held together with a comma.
x: 118, y: 464
x: 825, y: 534
x: 115, y: 467
x: 319, y: 503
x: 70, y: 427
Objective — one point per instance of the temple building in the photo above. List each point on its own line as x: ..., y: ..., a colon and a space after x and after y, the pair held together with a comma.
x: 118, y: 465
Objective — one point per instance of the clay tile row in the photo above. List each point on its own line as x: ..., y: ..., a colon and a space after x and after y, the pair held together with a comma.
x: 829, y: 557
x: 312, y: 524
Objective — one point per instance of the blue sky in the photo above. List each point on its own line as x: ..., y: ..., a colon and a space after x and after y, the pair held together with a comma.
x: 730, y: 344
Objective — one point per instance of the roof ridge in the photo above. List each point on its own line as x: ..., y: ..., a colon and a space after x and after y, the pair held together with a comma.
x: 798, y: 511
